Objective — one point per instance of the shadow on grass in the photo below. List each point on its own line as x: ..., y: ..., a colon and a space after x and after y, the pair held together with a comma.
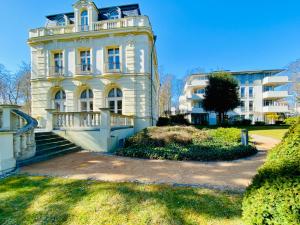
x: 18, y: 196
x: 38, y: 200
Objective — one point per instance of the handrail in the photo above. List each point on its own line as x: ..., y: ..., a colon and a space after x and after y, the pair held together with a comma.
x: 31, y: 122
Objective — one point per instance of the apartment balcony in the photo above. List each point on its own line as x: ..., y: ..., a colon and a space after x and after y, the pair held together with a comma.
x: 275, y: 94
x: 275, y: 80
x: 84, y: 70
x: 56, y: 72
x: 276, y: 109
x: 195, y: 97
x: 101, y: 26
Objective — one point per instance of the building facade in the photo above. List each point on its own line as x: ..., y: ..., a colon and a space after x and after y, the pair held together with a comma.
x: 262, y: 95
x: 95, y: 58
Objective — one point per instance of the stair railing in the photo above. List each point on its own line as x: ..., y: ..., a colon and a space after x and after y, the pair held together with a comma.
x: 24, y: 138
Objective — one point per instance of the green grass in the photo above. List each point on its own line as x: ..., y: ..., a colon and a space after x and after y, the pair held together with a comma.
x: 276, y: 132
x: 40, y: 200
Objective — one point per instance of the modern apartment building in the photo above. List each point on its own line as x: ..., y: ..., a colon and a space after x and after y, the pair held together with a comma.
x: 261, y: 92
x: 94, y: 58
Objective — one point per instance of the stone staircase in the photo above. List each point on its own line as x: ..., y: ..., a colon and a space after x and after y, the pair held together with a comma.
x: 48, y: 146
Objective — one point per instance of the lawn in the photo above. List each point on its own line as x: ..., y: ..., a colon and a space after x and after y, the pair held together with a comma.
x: 40, y: 200
x: 276, y: 132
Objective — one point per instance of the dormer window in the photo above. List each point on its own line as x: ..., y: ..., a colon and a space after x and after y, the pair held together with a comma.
x: 114, y: 15
x: 61, y: 21
x: 84, y: 21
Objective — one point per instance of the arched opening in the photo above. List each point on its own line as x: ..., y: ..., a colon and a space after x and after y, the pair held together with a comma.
x: 115, y: 98
x: 84, y: 20
x: 60, y: 101
x: 87, y: 101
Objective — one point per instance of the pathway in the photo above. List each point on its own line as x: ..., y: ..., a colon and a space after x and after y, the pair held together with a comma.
x: 221, y: 175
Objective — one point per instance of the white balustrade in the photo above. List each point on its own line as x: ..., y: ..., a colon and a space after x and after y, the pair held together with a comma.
x: 121, y: 120
x: 76, y: 120
x: 138, y: 21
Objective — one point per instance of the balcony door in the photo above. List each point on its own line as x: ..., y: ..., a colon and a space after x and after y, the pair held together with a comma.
x: 58, y: 63
x: 60, y: 101
x: 85, y: 61
x: 114, y: 59
x: 84, y: 21
x: 87, y: 101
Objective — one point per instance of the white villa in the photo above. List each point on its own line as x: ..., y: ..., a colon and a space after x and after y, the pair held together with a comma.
x: 261, y: 94
x: 94, y: 58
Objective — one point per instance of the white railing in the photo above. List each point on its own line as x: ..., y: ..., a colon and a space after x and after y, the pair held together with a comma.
x: 55, y: 72
x: 117, y: 120
x: 76, y: 120
x: 84, y: 69
x: 137, y: 21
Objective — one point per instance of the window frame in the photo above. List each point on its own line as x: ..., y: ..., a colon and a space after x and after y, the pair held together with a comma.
x: 88, y: 100
x: 114, y: 101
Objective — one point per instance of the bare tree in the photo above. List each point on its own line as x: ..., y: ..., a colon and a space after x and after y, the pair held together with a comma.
x: 15, y: 88
x: 165, y: 95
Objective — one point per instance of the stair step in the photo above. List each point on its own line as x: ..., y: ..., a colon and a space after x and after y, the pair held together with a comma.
x: 42, y: 137
x: 42, y: 145
x: 48, y: 140
x: 49, y: 156
x: 54, y: 149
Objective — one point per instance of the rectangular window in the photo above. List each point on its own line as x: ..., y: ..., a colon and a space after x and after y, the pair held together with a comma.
x: 243, y: 92
x: 114, y: 59
x: 251, y: 106
x: 112, y: 106
x: 84, y: 106
x: 251, y: 92
x: 120, y: 107
x: 85, y: 61
x: 199, y: 91
x: 243, y: 106
x: 198, y: 104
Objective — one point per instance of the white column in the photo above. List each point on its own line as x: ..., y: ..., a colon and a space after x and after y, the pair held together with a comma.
x: 49, y: 122
x: 6, y: 116
x: 7, y: 160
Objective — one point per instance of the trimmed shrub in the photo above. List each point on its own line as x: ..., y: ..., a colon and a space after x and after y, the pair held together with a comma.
x: 179, y: 120
x: 273, y: 198
x: 244, y: 122
x: 187, y: 143
x: 291, y: 120
x: 260, y: 123
x: 163, y: 121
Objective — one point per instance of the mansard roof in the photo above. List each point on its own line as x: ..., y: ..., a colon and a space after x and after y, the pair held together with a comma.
x: 125, y: 10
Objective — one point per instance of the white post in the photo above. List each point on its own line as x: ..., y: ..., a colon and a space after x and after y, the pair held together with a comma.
x: 6, y: 116
x: 105, y: 128
x: 49, y: 122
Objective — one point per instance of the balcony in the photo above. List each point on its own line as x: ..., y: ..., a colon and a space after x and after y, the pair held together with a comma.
x: 113, y: 68
x: 275, y: 94
x: 195, y: 97
x: 276, y: 109
x: 275, y: 80
x: 84, y: 70
x: 56, y: 72
x: 138, y: 21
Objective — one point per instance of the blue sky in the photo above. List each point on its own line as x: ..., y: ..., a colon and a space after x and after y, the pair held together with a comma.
x: 208, y: 34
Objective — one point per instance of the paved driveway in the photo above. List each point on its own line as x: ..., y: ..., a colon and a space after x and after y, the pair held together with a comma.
x: 85, y: 165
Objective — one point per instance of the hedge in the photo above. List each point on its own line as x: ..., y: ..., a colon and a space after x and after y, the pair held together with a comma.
x: 274, y: 196
x: 187, y: 143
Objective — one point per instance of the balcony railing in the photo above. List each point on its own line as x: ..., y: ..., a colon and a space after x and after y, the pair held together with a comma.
x: 117, y: 120
x: 276, y: 109
x: 113, y: 68
x: 84, y: 69
x: 138, y: 21
x: 76, y: 120
x: 275, y: 94
x: 275, y: 80
x: 56, y: 72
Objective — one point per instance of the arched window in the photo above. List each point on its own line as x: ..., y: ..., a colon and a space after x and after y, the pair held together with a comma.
x: 86, y: 101
x: 60, y: 101
x: 115, y: 97
x: 84, y: 20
